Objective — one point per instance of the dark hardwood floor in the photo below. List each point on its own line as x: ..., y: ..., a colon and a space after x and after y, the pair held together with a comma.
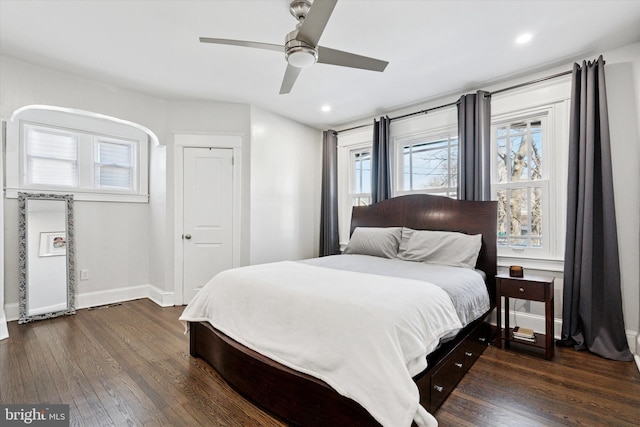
x: 129, y: 364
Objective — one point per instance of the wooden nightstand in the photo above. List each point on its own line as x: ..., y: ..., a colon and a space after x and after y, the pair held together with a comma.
x: 532, y: 288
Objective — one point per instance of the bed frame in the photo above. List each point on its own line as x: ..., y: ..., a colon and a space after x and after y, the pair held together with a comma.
x: 300, y: 399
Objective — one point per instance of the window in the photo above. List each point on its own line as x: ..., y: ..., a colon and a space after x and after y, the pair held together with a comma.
x: 521, y: 183
x: 528, y: 159
x: 360, y: 188
x: 51, y: 156
x: 57, y: 158
x: 90, y: 156
x: 428, y: 165
x: 114, y: 166
x: 354, y: 176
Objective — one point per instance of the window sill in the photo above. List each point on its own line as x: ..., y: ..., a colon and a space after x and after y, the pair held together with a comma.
x: 541, y: 264
x: 12, y: 193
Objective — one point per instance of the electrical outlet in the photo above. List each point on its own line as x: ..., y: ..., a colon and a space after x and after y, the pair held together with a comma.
x: 84, y: 274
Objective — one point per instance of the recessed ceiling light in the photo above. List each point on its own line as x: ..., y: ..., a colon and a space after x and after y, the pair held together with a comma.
x: 326, y: 108
x: 524, y: 38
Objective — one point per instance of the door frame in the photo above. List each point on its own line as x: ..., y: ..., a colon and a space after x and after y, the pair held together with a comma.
x: 181, y: 141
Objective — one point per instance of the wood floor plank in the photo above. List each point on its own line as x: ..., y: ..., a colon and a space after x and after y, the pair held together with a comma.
x: 507, y: 387
x: 129, y: 364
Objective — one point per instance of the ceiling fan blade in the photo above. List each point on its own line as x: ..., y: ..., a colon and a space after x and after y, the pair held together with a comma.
x: 289, y: 79
x: 257, y: 45
x: 317, y: 18
x: 346, y: 59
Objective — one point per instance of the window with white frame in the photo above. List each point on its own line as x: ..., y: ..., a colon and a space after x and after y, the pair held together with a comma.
x: 114, y: 165
x: 529, y: 160
x: 521, y: 182
x: 51, y: 156
x: 428, y: 164
x: 360, y: 183
x: 91, y: 157
x: 354, y: 176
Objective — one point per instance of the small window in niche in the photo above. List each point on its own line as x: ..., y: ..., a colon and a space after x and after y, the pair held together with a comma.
x: 51, y: 156
x: 66, y: 151
x: 114, y: 165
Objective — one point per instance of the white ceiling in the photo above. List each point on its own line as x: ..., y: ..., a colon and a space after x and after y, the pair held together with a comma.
x: 434, y: 48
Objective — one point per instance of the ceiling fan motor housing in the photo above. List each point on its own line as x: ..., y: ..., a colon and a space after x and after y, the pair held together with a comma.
x: 298, y: 53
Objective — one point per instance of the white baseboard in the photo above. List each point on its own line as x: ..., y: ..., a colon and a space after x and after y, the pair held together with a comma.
x: 111, y: 296
x: 11, y: 311
x: 160, y: 297
x: 532, y: 321
x: 4, y: 332
x: 637, y: 352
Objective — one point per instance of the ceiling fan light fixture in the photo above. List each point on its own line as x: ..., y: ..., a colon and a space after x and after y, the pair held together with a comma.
x: 302, y: 56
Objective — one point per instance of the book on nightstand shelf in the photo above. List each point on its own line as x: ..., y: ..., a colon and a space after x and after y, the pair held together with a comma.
x: 525, y: 334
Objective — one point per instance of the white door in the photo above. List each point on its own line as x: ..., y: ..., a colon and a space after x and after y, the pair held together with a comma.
x: 208, y: 216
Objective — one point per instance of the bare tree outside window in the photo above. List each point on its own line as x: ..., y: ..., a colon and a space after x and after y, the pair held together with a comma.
x: 431, y: 167
x: 519, y: 189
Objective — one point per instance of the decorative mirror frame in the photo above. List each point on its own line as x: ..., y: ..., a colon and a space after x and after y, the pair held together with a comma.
x: 70, y: 256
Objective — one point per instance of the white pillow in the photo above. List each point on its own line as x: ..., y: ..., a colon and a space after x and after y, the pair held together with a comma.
x: 440, y: 247
x: 375, y: 241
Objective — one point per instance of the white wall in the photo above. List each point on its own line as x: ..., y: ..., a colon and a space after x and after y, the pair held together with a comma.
x: 128, y: 247
x: 286, y: 164
x: 623, y: 95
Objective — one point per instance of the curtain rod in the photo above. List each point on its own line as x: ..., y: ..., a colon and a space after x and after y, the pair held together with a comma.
x: 531, y: 82
x: 451, y: 104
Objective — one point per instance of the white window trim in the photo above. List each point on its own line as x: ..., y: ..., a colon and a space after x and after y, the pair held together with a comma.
x: 547, y: 118
x: 78, y: 121
x: 352, y: 184
x: 347, y: 143
x: 553, y: 96
x: 434, y: 134
x: 134, y: 160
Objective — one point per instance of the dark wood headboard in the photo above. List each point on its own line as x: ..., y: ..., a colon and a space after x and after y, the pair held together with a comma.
x: 426, y: 212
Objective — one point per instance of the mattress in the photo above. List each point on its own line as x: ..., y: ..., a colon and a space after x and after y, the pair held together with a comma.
x: 465, y: 287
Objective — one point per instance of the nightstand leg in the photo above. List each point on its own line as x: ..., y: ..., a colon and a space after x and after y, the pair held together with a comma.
x: 499, y: 321
x: 549, y: 329
x: 506, y: 322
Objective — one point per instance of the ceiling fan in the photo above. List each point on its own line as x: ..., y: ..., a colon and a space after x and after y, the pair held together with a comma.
x: 301, y: 48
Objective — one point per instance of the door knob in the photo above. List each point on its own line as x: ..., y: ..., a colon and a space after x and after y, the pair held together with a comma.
x: 187, y: 236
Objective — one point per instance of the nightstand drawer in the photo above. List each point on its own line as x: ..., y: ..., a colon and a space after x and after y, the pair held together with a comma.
x: 521, y: 289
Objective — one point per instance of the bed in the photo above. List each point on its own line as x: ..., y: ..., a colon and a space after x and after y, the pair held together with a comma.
x: 300, y: 398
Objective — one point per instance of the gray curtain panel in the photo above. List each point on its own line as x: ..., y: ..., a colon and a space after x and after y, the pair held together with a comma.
x: 474, y: 141
x: 380, y: 173
x: 329, y: 239
x: 592, y: 305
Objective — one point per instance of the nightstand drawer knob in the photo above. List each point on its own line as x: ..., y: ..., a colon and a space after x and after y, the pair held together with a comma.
x: 438, y: 388
x: 459, y: 365
x: 468, y: 353
x: 522, y: 290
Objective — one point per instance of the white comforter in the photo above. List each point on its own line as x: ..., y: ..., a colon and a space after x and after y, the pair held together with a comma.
x: 365, y: 335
